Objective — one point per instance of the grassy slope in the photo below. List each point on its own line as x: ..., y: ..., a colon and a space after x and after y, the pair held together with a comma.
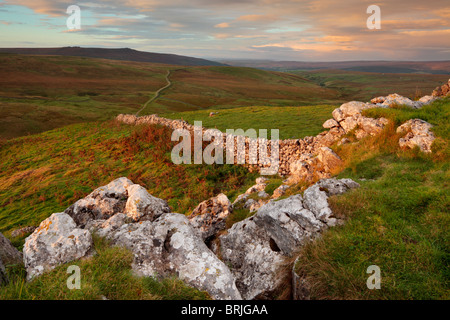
x: 292, y: 122
x: 45, y: 173
x: 397, y: 220
x: 39, y: 93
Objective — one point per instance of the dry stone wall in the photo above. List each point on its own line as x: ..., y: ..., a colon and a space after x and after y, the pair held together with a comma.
x: 303, y: 158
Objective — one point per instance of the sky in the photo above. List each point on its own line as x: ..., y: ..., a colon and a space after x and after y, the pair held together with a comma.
x: 295, y: 30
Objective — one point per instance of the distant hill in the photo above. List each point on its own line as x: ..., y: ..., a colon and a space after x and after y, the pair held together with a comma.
x: 433, y: 67
x: 115, y: 54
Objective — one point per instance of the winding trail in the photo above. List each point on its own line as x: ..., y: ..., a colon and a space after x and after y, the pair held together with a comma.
x: 157, y: 93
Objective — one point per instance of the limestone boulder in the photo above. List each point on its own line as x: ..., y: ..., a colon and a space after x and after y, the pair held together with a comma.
x: 119, y: 196
x: 315, y: 198
x: 396, y: 99
x: 443, y: 90
x: 169, y: 245
x: 103, y: 227
x: 329, y: 158
x: 22, y: 231
x: 372, y: 126
x: 330, y: 123
x: 418, y: 133
x: 8, y: 253
x: 280, y: 191
x: 258, y: 248
x: 209, y: 217
x: 57, y: 240
x: 141, y: 205
x: 427, y: 100
x: 353, y: 109
x: 101, y: 203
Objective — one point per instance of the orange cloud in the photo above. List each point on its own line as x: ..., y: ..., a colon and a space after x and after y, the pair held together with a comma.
x: 222, y: 25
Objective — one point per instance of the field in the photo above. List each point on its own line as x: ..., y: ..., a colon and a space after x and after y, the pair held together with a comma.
x: 39, y: 93
x: 363, y: 86
x: 292, y: 122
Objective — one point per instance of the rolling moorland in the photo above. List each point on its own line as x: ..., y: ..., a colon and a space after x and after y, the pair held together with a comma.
x: 39, y: 93
x: 398, y: 219
x: 422, y: 67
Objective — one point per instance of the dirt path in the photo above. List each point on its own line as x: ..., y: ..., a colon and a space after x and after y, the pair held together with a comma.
x: 157, y: 93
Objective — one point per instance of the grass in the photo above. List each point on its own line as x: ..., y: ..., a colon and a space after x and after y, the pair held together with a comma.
x: 106, y: 275
x: 363, y: 86
x: 292, y: 122
x: 46, y: 173
x: 398, y: 219
x: 40, y: 93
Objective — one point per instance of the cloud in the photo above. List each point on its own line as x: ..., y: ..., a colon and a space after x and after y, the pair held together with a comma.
x: 222, y: 25
x: 310, y: 29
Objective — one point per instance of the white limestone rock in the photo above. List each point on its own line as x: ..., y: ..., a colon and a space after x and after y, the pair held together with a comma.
x: 57, y: 240
x: 141, y: 205
x: 170, y: 245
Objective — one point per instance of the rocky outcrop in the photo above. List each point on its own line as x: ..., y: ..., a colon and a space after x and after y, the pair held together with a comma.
x: 315, y: 198
x: 418, y: 133
x: 121, y: 195
x: 57, y: 240
x: 142, y: 206
x: 427, y: 100
x: 8, y: 253
x: 163, y: 243
x: 104, y: 227
x: 169, y: 245
x: 442, y: 91
x: 209, y: 217
x: 396, y: 99
x: 258, y: 247
x: 349, y: 118
x: 101, y: 203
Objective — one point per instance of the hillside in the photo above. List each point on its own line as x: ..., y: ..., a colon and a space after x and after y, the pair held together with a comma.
x: 39, y: 93
x: 47, y: 172
x: 397, y: 219
x: 125, y: 54
x: 362, y: 86
x: 367, y: 193
x: 432, y: 67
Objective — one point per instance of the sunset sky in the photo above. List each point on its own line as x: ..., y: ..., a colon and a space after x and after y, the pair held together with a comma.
x: 302, y: 30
